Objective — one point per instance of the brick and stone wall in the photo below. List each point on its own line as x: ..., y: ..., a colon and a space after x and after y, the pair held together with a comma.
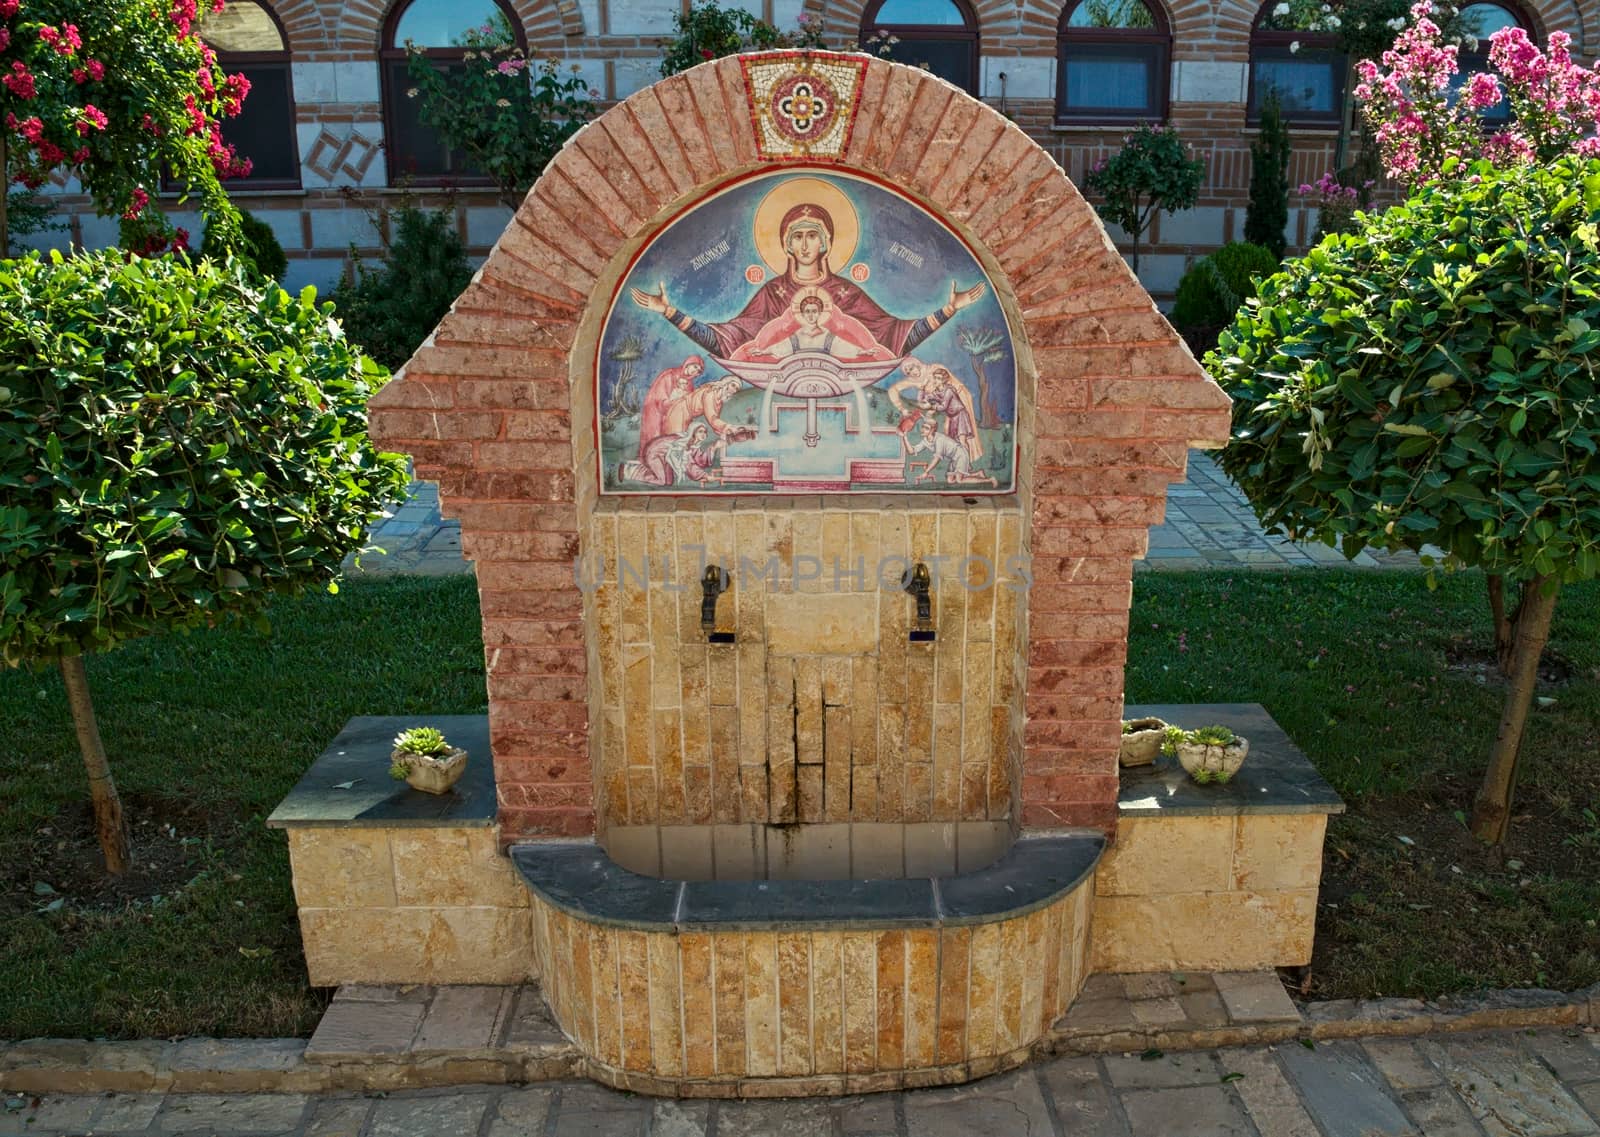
x: 498, y: 407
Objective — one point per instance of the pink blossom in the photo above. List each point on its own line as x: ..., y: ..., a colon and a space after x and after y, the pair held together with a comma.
x: 180, y: 239
x: 5, y: 38
x: 9, y: 8
x: 208, y: 86
x: 31, y: 129
x: 80, y: 155
x: 235, y: 88
x: 1483, y: 91
x: 93, y: 119
x: 183, y: 14
x: 20, y: 81
x: 136, y: 207
x: 49, y: 153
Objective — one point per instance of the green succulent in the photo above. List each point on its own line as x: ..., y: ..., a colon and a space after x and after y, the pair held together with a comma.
x: 426, y: 741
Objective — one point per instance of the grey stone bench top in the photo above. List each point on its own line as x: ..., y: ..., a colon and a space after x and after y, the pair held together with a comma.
x: 349, y: 785
x: 581, y: 880
x: 1275, y: 778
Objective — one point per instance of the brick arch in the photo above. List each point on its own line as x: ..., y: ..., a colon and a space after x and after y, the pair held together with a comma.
x: 546, y: 24
x: 303, y: 22
x: 841, y: 19
x: 497, y: 406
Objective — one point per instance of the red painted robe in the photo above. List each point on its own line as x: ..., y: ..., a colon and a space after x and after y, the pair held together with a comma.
x: 773, y: 300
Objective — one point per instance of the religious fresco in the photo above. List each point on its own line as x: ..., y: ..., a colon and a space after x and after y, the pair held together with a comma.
x: 806, y: 332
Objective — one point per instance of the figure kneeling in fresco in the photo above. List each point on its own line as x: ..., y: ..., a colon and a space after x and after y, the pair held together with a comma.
x: 673, y: 458
x: 815, y: 325
x: 945, y: 394
x: 672, y: 385
x: 958, y: 465
x: 806, y: 232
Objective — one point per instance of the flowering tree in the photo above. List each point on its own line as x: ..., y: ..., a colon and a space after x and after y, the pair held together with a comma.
x: 508, y: 114
x: 707, y: 31
x: 1424, y: 129
x: 1153, y: 172
x: 117, y: 94
x: 1429, y: 380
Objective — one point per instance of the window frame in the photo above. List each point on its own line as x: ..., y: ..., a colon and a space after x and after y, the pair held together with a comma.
x: 1157, y: 40
x: 233, y: 61
x: 390, y: 53
x: 968, y: 32
x: 1279, y: 42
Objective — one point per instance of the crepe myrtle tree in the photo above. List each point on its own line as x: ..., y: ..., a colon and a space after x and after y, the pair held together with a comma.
x: 117, y: 94
x: 181, y: 441
x: 1431, y: 379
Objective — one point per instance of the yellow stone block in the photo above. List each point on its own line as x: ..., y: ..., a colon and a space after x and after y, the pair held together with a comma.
x: 417, y: 945
x: 1278, y: 851
x: 1155, y: 856
x: 341, y: 868
x: 831, y: 623
x: 442, y: 868
x: 1216, y: 931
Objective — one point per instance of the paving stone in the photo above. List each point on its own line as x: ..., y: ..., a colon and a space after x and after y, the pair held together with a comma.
x: 74, y: 1111
x: 1268, y: 1097
x: 232, y: 1113
x: 1188, y: 1068
x: 1150, y: 985
x: 531, y: 1024
x: 1158, y: 1012
x: 594, y: 1111
x: 1440, y: 1113
x: 1198, y: 1111
x: 680, y: 1119
x: 127, y: 1113
x: 1082, y: 1098
x: 521, y: 1113
x: 1589, y: 1095
x: 1204, y: 1008
x: 1255, y: 997
x: 1006, y: 1105
x: 338, y: 1117
x: 1508, y: 1090
x: 873, y: 1114
x: 1572, y: 1054
x: 429, y: 1116
x: 1401, y: 1063
x: 351, y: 1029
x: 775, y: 1118
x: 463, y: 1018
x: 1343, y: 1092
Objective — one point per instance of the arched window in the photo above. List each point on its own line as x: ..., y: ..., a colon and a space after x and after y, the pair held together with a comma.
x: 249, y: 41
x: 1480, y: 21
x: 1112, y: 61
x: 1305, y: 69
x: 938, y: 35
x: 414, y: 152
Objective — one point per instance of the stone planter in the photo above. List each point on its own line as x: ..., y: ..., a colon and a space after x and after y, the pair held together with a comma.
x: 432, y: 775
x: 1206, y: 764
x: 1141, y: 742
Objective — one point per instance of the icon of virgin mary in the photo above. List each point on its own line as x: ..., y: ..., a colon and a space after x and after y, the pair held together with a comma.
x: 810, y: 243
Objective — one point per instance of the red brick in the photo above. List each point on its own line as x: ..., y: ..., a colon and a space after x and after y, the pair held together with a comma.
x: 531, y: 605
x: 1104, y: 626
x: 1082, y: 596
x: 542, y: 425
x: 1096, y: 786
x: 417, y: 393
x: 1099, y: 454
x: 539, y: 485
x: 524, y: 455
x: 1077, y: 653
x: 1106, y: 424
x: 606, y: 180
x: 555, y: 688
x: 1068, y: 815
x: 1180, y: 393
x: 520, y: 546
x: 551, y: 517
x: 1211, y: 428
x: 1055, y: 733
x: 736, y: 105
x: 507, y: 715
x: 1077, y: 541
x: 525, y: 822
x: 1122, y: 511
x: 536, y: 660
x: 496, y: 576
x: 547, y: 769
x: 386, y: 425
x: 526, y: 394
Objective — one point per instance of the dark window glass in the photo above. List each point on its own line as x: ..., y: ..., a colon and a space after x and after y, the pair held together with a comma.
x: 1111, y: 62
x: 938, y: 37
x: 1305, y: 69
x: 414, y: 151
x: 249, y: 42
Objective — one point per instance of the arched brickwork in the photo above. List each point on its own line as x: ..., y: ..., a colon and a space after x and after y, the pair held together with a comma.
x: 303, y: 23
x: 547, y: 24
x: 488, y: 407
x: 841, y: 19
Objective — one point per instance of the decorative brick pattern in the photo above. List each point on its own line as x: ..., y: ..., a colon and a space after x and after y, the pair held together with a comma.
x: 764, y: 1013
x: 1108, y: 401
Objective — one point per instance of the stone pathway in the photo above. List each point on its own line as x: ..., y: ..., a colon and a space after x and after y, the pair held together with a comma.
x: 1209, y: 525
x: 1536, y: 1083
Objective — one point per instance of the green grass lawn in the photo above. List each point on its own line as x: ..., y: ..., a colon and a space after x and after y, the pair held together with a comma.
x: 207, y: 732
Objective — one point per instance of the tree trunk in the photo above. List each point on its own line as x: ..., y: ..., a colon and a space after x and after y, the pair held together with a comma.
x: 1503, y: 624
x: 1491, y: 811
x: 108, y: 823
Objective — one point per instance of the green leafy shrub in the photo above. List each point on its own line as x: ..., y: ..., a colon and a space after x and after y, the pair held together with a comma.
x: 1430, y: 379
x: 1216, y: 287
x: 391, y: 309
x: 707, y: 31
x: 1152, y: 173
x: 508, y: 114
x: 1267, y: 215
x: 176, y: 442
x: 259, y: 248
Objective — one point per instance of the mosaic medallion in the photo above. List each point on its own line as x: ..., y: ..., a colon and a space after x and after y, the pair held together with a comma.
x: 803, y: 103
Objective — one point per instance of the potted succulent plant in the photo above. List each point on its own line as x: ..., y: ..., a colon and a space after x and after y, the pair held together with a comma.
x: 1141, y: 741
x: 1207, y: 754
x: 425, y: 761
